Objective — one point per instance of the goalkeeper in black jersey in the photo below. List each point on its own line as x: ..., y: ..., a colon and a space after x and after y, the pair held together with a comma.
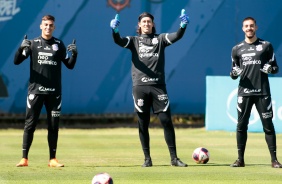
x: 253, y: 59
x: 47, y: 54
x: 148, y: 76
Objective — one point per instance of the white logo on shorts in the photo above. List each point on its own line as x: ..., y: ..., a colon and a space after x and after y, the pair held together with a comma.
x: 140, y: 102
x: 55, y: 113
x: 31, y: 96
x: 240, y: 99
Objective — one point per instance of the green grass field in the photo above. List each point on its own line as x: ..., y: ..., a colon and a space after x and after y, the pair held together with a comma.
x: 118, y: 152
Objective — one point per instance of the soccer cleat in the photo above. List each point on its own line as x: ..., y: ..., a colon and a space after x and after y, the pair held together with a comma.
x: 178, y: 162
x: 148, y: 163
x: 54, y: 163
x: 238, y: 163
x: 276, y: 164
x: 23, y: 163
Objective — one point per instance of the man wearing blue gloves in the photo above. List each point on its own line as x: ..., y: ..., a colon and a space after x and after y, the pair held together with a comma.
x: 148, y: 77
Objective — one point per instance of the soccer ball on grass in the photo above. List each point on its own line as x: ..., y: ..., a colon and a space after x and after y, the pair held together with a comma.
x: 201, y: 155
x: 102, y: 178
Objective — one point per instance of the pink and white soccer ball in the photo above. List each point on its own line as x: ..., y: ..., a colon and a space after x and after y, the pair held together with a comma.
x: 201, y: 155
x: 102, y: 178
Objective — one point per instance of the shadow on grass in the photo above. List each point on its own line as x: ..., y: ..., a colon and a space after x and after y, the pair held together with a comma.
x: 193, y: 165
x: 215, y: 164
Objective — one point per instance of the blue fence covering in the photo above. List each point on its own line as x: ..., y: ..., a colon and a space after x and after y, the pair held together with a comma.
x: 101, y: 81
x: 221, y: 108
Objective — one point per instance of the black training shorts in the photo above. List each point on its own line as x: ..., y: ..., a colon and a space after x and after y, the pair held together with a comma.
x: 148, y: 96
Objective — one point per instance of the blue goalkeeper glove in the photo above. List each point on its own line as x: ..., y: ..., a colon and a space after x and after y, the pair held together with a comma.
x: 184, y: 19
x: 115, y: 23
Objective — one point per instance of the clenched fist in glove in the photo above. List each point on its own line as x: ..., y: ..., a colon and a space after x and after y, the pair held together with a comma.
x: 236, y: 71
x: 267, y: 68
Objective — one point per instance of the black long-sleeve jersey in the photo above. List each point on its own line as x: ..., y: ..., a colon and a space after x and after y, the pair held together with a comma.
x: 251, y: 58
x: 46, y: 57
x: 148, y: 56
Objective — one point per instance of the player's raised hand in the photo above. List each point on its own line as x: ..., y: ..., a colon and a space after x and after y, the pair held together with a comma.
x: 184, y: 19
x: 115, y: 23
x: 25, y: 45
x: 72, y: 47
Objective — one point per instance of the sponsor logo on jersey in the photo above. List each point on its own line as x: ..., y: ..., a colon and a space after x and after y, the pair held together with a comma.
x: 254, y: 62
x: 140, y: 102
x: 259, y: 47
x: 43, y: 58
x: 47, y: 48
x: 8, y: 9
x: 251, y: 48
x: 246, y: 90
x: 144, y: 48
x: 58, y: 41
x: 42, y: 88
x: 248, y: 55
x: 45, y: 62
x: 248, y: 59
x: 162, y: 97
x: 141, y: 55
x: 146, y: 51
x: 155, y: 41
x: 147, y: 79
x: 55, y: 47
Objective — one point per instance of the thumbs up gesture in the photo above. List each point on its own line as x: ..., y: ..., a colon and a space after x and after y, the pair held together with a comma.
x: 115, y: 23
x: 25, y: 45
x: 72, y: 48
x: 184, y: 19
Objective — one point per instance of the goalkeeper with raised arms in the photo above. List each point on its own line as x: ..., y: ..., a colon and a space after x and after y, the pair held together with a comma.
x: 253, y: 60
x: 148, y: 77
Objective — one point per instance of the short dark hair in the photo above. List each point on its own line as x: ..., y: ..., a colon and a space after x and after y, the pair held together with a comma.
x: 48, y: 17
x: 250, y: 18
x: 142, y: 15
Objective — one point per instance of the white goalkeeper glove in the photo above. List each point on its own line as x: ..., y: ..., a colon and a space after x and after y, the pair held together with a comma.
x: 267, y: 68
x: 236, y: 71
